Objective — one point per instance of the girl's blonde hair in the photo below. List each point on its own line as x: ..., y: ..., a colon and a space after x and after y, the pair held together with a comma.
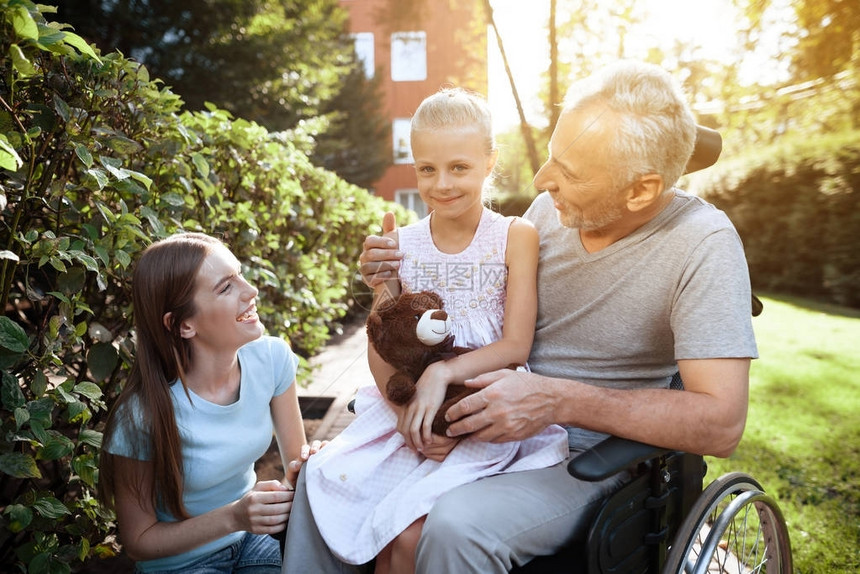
x: 455, y: 108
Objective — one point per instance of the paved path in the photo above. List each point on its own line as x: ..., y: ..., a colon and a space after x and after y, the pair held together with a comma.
x: 339, y: 370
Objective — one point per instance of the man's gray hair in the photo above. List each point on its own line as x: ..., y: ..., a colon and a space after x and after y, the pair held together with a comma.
x: 656, y: 131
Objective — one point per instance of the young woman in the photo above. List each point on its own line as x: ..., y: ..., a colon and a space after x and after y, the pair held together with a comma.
x: 371, y: 488
x: 204, y: 395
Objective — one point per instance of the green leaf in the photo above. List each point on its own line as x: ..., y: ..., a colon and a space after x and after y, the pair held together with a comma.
x: 20, y: 61
x: 6, y: 254
x: 24, y: 24
x: 86, y: 467
x: 201, y: 164
x: 39, y: 431
x: 22, y: 417
x: 150, y: 215
x: 115, y: 170
x: 78, y: 412
x: 49, y: 36
x: 90, y: 437
x: 173, y: 199
x: 123, y: 258
x: 99, y: 176
x: 39, y: 384
x: 123, y: 145
x: 40, y: 412
x: 11, y: 393
x: 103, y: 254
x: 57, y: 447
x: 62, y: 108
x: 19, y: 465
x: 50, y: 507
x: 84, y: 155
x: 9, y: 158
x: 73, y: 39
x: 57, y: 264
x: 12, y: 336
x: 19, y: 517
x: 92, y: 390
x: 89, y: 262
x: 146, y: 181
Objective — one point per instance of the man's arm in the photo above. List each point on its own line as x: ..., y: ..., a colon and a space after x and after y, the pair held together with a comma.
x: 707, y: 418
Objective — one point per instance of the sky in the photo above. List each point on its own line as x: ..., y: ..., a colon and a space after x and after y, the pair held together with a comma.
x: 522, y: 24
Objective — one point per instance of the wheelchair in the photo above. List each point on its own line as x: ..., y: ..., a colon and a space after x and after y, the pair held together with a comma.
x: 662, y: 521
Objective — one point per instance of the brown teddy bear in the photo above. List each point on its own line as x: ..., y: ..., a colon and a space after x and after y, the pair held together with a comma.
x: 409, y: 333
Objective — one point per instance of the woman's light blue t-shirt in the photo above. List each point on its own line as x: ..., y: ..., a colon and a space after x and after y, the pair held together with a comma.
x: 220, y: 443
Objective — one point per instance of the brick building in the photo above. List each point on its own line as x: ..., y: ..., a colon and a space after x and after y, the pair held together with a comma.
x: 417, y: 47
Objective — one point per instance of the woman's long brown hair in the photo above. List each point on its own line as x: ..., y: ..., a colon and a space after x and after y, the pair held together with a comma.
x: 164, y: 281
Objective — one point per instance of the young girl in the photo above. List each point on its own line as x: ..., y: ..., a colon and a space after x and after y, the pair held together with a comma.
x: 371, y: 488
x: 204, y: 393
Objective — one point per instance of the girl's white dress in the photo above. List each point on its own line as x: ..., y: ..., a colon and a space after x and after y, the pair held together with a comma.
x: 367, y: 486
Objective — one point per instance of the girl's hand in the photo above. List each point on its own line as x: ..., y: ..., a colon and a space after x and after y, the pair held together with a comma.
x: 264, y: 509
x: 417, y: 419
x: 295, y: 465
x: 441, y: 446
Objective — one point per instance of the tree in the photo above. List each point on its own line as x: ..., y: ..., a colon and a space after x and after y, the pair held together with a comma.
x: 355, y: 146
x: 275, y: 62
x: 525, y: 128
x: 826, y: 34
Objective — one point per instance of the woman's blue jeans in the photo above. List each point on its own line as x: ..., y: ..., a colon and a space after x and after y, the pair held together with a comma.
x: 253, y: 554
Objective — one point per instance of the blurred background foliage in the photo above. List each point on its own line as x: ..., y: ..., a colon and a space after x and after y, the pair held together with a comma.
x: 785, y: 98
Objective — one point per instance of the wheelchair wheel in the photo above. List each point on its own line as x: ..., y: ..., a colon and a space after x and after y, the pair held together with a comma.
x: 733, y: 527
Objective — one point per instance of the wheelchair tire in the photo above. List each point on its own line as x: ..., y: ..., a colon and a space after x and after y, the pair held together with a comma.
x: 733, y: 527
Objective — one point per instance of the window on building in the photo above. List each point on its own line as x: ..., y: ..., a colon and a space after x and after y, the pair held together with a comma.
x: 410, y: 199
x: 400, y: 135
x: 409, y: 56
x: 364, y: 51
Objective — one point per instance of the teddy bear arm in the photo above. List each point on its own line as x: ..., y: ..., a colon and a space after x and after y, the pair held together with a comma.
x: 400, y: 388
x: 452, y: 395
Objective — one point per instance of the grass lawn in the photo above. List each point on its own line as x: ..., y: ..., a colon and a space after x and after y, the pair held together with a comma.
x: 802, y: 440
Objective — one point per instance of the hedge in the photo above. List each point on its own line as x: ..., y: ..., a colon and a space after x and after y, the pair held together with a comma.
x: 96, y: 161
x: 797, y: 208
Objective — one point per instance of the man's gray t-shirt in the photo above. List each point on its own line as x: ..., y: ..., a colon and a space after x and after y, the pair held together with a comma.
x: 676, y: 288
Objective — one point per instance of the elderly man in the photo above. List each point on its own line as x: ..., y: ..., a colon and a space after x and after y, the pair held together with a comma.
x: 637, y: 280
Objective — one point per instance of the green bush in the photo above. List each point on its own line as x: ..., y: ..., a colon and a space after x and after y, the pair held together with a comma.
x: 96, y: 161
x: 797, y: 209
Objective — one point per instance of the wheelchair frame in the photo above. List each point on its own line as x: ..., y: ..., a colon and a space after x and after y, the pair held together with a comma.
x: 663, y: 521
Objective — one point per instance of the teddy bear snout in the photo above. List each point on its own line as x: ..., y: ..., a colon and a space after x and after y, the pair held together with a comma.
x: 432, y: 327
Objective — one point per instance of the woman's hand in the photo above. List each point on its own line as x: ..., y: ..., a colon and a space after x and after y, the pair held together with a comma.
x: 416, y: 419
x: 295, y: 465
x: 264, y: 509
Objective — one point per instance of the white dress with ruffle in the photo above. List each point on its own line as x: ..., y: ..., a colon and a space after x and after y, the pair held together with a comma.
x: 367, y: 486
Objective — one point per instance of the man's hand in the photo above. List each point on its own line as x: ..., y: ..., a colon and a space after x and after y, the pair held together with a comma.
x: 380, y: 259
x: 511, y: 405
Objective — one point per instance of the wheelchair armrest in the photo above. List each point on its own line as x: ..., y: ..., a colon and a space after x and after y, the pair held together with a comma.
x: 610, y: 457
